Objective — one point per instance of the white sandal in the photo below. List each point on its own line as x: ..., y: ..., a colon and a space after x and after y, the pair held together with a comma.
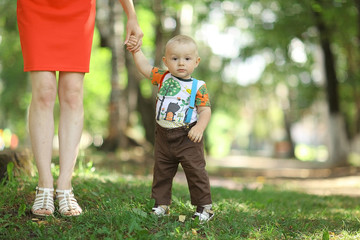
x: 67, y: 203
x: 43, y: 200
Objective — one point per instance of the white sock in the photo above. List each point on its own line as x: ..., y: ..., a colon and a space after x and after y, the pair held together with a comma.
x: 207, y: 206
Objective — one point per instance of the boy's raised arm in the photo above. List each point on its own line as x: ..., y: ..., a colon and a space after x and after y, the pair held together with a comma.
x: 141, y: 62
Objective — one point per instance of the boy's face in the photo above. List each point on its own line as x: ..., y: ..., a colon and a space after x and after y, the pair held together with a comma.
x: 181, y: 59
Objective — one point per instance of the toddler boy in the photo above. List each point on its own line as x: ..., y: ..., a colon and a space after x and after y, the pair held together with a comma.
x: 176, y: 140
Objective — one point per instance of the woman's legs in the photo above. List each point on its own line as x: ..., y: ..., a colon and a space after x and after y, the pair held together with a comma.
x: 41, y: 125
x: 70, y: 126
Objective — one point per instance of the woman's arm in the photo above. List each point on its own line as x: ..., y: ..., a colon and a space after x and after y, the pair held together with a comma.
x: 132, y: 25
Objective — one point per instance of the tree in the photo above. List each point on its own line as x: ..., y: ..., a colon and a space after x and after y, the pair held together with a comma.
x: 338, y: 142
x: 275, y: 25
x: 109, y: 20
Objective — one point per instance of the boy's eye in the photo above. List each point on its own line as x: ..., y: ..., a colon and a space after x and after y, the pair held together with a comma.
x: 187, y: 59
x: 174, y: 58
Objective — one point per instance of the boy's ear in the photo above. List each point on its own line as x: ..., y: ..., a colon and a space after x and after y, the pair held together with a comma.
x: 197, y: 61
x: 164, y: 60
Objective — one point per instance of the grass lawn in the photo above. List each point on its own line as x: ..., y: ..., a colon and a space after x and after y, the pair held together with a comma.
x: 117, y: 207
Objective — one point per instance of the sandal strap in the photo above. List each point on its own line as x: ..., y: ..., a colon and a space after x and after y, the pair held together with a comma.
x: 44, y: 200
x: 67, y: 201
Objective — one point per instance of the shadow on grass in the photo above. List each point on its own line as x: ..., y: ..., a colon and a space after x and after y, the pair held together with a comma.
x: 117, y: 207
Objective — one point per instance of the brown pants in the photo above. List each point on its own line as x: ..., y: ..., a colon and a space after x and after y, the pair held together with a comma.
x: 172, y: 146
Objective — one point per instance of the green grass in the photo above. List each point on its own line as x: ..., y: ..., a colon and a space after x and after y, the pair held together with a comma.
x: 117, y: 207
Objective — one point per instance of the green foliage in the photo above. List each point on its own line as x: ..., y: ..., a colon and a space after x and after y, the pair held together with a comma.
x: 326, y: 235
x: 221, y: 127
x: 146, y: 20
x: 97, y: 89
x: 266, y: 29
x: 9, y: 170
x: 146, y: 88
x: 13, y: 81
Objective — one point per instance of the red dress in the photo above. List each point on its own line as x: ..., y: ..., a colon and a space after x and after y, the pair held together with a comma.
x: 56, y: 35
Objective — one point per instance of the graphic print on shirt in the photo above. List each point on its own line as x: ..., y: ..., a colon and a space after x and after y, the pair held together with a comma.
x: 170, y: 87
x: 171, y: 110
x: 184, y: 105
x: 173, y: 99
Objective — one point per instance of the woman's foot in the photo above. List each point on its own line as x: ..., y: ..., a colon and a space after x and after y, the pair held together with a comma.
x: 68, y: 205
x: 44, y: 202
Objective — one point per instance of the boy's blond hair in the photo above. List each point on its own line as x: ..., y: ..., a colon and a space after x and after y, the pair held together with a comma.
x: 181, y: 39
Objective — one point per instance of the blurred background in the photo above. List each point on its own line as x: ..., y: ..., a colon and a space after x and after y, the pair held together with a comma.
x: 283, y: 78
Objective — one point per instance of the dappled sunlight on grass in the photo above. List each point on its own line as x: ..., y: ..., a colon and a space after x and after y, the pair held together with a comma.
x: 117, y: 206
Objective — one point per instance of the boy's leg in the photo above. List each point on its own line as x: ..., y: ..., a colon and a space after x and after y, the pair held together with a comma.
x: 165, y: 169
x: 193, y: 162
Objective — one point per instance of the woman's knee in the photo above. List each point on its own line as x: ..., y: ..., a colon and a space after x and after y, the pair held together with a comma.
x: 72, y: 98
x: 43, y: 89
x: 71, y: 91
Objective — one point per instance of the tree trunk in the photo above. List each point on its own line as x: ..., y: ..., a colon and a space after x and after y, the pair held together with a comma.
x: 145, y: 106
x: 111, y: 36
x: 356, y: 72
x: 338, y: 142
x: 22, y: 160
x: 288, y: 123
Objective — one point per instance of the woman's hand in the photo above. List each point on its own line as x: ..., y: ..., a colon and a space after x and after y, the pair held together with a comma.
x: 133, y: 31
x: 131, y: 44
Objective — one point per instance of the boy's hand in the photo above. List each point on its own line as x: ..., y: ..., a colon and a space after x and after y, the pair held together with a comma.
x: 131, y: 44
x: 196, y: 133
x: 141, y: 62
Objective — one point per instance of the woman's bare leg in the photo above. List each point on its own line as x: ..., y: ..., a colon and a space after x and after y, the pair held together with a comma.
x: 70, y: 125
x: 41, y: 125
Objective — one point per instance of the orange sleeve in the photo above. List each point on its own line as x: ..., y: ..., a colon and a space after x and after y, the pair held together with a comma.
x: 202, y: 97
x: 157, y: 75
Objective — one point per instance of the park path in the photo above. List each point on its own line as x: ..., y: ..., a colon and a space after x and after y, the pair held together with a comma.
x: 239, y: 172
x: 346, y: 185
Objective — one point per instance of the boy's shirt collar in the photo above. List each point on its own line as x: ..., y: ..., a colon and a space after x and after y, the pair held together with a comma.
x: 182, y: 79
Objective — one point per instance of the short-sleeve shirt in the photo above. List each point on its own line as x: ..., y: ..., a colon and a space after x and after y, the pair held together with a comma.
x: 173, y: 98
